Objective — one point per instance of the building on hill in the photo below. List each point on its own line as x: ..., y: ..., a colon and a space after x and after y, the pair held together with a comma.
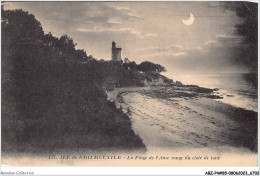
x: 115, y: 52
x: 126, y: 60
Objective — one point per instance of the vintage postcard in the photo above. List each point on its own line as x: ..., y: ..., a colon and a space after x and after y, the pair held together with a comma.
x: 165, y: 83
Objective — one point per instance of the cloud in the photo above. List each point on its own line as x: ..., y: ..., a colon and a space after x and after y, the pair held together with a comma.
x: 124, y: 9
x: 114, y: 21
x: 150, y: 35
x: 93, y: 25
x: 209, y: 42
x: 152, y: 48
x: 215, y: 55
x: 163, y: 55
x: 173, y: 46
x: 171, y: 50
x: 179, y: 54
x: 119, y: 30
x: 66, y: 17
x: 198, y: 49
x: 130, y: 12
x: 230, y: 39
x: 224, y: 36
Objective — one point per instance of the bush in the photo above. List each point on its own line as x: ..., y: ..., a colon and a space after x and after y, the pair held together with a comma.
x: 50, y: 100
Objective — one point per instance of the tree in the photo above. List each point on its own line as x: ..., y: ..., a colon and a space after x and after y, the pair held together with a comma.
x: 19, y: 26
x: 66, y: 48
x: 50, y: 40
x: 22, y: 39
x: 81, y: 55
x: 160, y: 68
x: 150, y: 67
x: 66, y: 43
x: 131, y: 65
x: 248, y: 12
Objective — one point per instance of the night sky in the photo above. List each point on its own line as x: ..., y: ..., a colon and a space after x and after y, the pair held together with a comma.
x: 222, y: 39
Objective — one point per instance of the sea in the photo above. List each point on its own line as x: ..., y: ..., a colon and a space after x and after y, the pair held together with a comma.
x: 237, y: 89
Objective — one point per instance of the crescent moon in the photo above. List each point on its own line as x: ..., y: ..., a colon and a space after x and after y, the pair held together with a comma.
x: 189, y: 21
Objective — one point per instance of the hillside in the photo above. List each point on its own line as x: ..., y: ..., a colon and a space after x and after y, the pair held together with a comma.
x: 53, y: 96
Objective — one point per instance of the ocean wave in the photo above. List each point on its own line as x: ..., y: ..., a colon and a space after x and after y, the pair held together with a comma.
x: 246, y: 101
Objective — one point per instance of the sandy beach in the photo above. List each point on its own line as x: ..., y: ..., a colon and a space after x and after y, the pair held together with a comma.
x: 183, y: 123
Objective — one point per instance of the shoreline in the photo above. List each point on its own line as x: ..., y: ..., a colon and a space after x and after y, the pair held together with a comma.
x: 190, y: 120
x: 237, y: 89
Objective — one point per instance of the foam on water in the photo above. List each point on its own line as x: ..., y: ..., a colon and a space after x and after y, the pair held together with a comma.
x: 239, y: 90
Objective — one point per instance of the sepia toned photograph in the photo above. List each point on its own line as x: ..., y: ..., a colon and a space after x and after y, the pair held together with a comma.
x: 141, y: 83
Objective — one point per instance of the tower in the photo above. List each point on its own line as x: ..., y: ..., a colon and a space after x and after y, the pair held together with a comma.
x: 115, y: 52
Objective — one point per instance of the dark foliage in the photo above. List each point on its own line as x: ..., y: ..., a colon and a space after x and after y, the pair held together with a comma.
x: 248, y: 12
x: 21, y: 26
x: 52, y: 95
x: 117, y: 74
x: 150, y: 67
x: 246, y: 55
